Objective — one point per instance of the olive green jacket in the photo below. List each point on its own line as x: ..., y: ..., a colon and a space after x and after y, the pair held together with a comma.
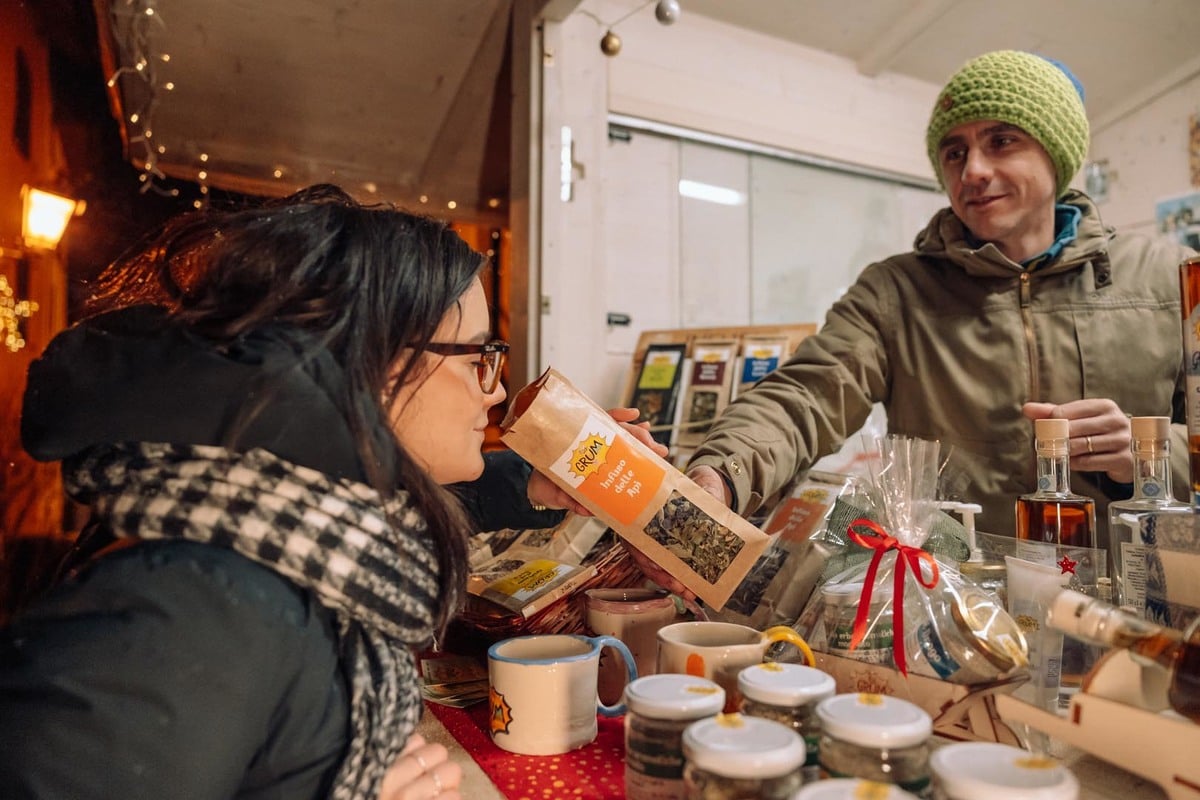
x: 953, y: 340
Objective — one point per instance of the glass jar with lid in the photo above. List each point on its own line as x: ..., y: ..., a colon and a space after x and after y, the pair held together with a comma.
x: 657, y: 710
x: 735, y: 757
x: 851, y: 789
x: 841, y: 608
x: 992, y: 771
x: 877, y: 738
x: 968, y: 638
x: 788, y: 693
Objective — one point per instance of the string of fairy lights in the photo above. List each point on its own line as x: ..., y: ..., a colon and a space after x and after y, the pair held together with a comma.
x: 136, y: 26
x: 12, y: 311
x: 143, y: 75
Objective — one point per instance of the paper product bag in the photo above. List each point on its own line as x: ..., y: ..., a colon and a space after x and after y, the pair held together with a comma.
x: 644, y: 499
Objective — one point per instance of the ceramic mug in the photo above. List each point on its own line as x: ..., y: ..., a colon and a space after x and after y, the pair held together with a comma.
x: 720, y: 650
x: 634, y: 616
x: 542, y: 691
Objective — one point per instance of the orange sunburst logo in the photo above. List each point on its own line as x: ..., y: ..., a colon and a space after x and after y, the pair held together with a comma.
x: 589, y: 456
x: 501, y: 711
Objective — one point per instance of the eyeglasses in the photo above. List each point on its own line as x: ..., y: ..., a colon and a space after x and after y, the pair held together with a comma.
x: 489, y: 365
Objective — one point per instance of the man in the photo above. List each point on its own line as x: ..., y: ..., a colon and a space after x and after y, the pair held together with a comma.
x: 1016, y: 303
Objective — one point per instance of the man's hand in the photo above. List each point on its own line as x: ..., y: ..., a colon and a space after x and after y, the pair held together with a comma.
x: 1100, y: 435
x: 421, y: 771
x: 544, y: 492
x: 711, y: 481
x: 657, y: 574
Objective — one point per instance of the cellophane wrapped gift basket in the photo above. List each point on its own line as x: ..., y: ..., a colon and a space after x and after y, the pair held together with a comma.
x: 896, y: 616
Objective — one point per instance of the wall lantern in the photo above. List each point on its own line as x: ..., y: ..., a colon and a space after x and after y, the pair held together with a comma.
x: 45, y: 217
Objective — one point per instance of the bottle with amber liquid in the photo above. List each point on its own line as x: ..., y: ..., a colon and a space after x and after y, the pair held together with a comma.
x: 1189, y: 295
x: 1103, y: 624
x: 1053, y: 515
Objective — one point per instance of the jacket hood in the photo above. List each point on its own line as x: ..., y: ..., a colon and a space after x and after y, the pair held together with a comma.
x: 134, y: 375
x: 945, y: 237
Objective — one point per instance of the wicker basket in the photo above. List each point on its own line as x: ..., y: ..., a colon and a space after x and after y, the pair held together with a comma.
x: 613, y: 568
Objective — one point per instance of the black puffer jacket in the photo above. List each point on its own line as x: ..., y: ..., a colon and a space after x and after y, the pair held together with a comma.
x: 170, y: 668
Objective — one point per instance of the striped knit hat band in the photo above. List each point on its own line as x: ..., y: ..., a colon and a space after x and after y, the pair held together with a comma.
x: 1036, y: 94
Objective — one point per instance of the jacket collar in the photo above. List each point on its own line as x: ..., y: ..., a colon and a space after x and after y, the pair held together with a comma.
x: 945, y: 237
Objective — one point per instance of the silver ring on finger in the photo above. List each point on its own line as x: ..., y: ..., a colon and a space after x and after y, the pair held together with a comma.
x: 1088, y: 440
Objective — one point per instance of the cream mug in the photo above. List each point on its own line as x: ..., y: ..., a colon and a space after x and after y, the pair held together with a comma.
x: 634, y: 616
x: 720, y: 650
x: 542, y: 691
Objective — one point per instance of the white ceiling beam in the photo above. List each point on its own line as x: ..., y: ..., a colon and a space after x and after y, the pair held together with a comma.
x: 900, y: 34
x: 1146, y: 95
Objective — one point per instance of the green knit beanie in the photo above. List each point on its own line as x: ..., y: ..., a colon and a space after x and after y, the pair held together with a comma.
x: 1038, y: 95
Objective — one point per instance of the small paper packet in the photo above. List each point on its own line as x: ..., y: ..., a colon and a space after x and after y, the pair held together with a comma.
x: 645, y: 500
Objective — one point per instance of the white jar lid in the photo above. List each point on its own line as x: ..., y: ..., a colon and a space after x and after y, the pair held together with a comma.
x: 852, y: 789
x: 991, y: 771
x: 787, y: 685
x: 671, y: 696
x: 737, y: 746
x: 874, y: 720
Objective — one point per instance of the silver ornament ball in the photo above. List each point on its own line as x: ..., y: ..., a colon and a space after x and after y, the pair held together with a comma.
x: 666, y: 11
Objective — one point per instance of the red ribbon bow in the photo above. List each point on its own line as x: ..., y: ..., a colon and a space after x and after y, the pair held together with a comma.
x: 878, y: 540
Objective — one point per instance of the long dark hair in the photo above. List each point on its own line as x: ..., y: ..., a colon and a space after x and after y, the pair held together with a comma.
x: 366, y: 282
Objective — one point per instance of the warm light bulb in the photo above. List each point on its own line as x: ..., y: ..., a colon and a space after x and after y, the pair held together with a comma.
x: 204, y: 156
x: 424, y: 198
x: 134, y: 118
x: 46, y: 218
x: 451, y: 204
x: 165, y: 56
x: 278, y: 173
x: 169, y: 86
x: 203, y: 175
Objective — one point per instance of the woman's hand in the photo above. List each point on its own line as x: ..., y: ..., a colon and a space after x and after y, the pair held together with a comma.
x: 543, y: 492
x: 421, y: 772
x: 1100, y: 435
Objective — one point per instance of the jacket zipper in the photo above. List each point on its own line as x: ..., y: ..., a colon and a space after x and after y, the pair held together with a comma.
x: 1035, y: 390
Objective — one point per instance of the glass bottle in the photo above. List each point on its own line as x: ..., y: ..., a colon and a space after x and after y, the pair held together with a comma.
x: 1131, y: 522
x: 1053, y: 516
x: 1189, y: 295
x: 1178, y: 653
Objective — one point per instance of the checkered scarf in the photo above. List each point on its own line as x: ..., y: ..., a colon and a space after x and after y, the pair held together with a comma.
x: 331, y: 537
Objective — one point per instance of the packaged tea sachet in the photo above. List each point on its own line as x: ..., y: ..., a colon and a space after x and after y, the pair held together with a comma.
x: 644, y: 499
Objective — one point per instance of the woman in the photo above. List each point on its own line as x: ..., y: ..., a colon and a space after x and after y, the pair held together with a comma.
x: 259, y: 409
